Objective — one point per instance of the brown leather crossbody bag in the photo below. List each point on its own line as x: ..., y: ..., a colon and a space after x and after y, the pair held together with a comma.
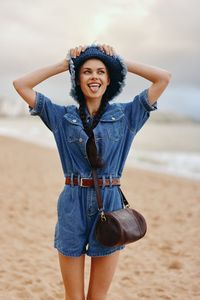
x: 119, y: 227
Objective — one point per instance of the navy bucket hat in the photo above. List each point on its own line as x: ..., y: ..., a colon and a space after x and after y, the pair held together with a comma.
x: 116, y: 68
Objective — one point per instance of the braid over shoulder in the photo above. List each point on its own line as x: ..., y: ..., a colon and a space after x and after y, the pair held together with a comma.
x: 91, y: 148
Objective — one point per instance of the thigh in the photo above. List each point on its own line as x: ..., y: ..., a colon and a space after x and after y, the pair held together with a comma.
x: 101, y: 275
x: 72, y: 270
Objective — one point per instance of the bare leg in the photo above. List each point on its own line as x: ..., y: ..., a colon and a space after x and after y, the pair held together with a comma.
x: 101, y: 274
x: 72, y: 270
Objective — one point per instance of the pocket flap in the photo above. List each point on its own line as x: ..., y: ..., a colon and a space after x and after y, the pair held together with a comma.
x: 71, y: 118
x: 113, y: 116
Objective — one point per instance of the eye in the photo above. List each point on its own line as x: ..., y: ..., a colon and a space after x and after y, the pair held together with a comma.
x: 101, y: 72
x: 86, y: 72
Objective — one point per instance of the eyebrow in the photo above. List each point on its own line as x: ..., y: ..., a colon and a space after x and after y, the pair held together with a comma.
x: 87, y: 68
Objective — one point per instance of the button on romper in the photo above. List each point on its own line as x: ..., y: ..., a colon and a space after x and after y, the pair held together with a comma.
x: 77, y: 206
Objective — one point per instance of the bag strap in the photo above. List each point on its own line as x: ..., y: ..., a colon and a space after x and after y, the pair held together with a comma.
x: 98, y: 192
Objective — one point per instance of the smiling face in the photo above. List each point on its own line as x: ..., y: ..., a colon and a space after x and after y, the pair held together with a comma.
x: 93, y: 79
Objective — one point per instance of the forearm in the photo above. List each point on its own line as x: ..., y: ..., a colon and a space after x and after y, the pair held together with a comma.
x: 25, y: 84
x: 148, y: 72
x: 159, y: 78
x: 32, y: 79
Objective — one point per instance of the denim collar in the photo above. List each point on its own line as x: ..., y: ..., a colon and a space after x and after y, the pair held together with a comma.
x: 88, y: 116
x: 112, y: 113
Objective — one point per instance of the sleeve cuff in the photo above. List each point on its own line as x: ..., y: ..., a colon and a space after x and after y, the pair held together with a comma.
x: 36, y: 110
x: 145, y: 101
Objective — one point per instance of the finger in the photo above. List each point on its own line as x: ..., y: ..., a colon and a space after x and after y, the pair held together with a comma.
x: 106, y: 49
x: 84, y: 48
x: 111, y: 50
x: 79, y: 50
x: 100, y: 47
x: 72, y: 52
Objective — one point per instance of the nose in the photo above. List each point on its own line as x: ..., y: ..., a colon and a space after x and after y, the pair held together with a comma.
x: 94, y: 75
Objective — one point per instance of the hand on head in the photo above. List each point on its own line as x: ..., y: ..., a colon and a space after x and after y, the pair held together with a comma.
x: 74, y: 52
x: 106, y: 49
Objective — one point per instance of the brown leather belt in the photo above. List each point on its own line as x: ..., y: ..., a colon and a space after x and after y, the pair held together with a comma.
x: 88, y: 182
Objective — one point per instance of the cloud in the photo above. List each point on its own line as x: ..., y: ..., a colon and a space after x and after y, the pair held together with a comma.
x: 45, y: 29
x: 158, y: 32
x: 166, y: 35
x: 178, y: 30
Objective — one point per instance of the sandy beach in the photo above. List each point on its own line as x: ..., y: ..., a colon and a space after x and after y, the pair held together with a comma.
x: 163, y: 265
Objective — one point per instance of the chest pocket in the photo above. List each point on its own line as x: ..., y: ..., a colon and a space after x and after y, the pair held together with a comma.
x: 74, y: 129
x: 113, y: 124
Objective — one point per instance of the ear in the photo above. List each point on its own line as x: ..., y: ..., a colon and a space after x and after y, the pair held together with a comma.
x: 108, y: 81
x: 77, y: 81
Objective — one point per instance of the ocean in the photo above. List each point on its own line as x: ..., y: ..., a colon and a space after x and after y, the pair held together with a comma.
x: 172, y: 148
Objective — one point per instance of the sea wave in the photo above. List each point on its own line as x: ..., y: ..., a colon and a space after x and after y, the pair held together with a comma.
x: 181, y: 163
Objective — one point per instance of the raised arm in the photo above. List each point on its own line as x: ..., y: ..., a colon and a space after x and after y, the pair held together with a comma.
x: 159, y: 78
x: 25, y: 84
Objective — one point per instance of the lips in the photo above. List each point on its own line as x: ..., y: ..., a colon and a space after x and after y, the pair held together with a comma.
x: 94, y: 87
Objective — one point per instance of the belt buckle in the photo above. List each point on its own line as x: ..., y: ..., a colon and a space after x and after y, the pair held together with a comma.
x: 81, y: 182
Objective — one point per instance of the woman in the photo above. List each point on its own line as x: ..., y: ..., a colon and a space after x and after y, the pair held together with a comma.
x: 96, y: 134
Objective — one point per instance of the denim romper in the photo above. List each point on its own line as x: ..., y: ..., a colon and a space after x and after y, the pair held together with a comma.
x: 77, y: 208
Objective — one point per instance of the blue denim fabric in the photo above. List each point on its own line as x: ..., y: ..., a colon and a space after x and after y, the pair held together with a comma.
x: 114, y: 134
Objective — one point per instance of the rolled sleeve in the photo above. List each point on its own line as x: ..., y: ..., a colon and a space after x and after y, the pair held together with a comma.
x: 138, y: 111
x: 49, y: 112
x: 39, y: 103
x: 143, y: 98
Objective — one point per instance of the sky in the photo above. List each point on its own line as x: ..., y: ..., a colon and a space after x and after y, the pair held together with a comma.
x: 162, y: 33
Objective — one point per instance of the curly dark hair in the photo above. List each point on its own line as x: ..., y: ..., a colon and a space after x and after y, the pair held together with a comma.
x: 116, y: 67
